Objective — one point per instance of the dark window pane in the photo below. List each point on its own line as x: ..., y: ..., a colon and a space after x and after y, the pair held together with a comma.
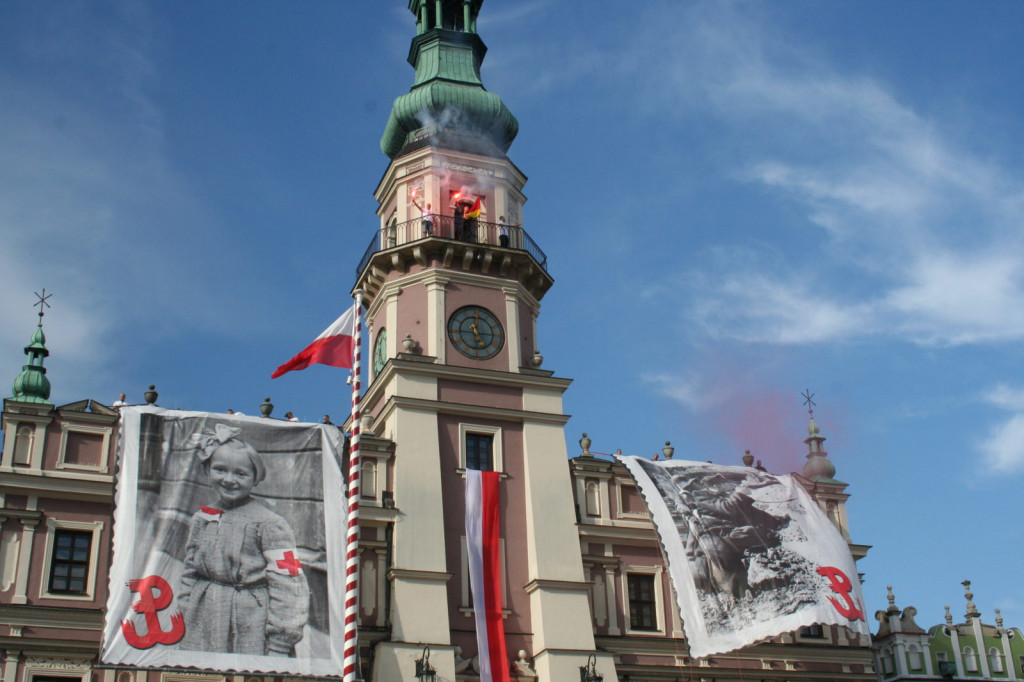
x: 69, y: 566
x: 478, y: 451
x: 641, y: 602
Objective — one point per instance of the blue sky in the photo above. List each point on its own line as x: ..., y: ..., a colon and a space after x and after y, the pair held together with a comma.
x: 739, y: 201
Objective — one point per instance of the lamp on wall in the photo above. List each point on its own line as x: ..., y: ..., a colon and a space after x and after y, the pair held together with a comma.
x: 588, y: 672
x: 424, y: 671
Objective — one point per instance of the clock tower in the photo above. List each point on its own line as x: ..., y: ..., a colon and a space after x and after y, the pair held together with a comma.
x: 452, y: 283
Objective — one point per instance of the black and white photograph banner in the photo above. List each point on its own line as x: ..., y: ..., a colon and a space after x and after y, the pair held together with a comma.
x: 751, y: 555
x: 228, y: 548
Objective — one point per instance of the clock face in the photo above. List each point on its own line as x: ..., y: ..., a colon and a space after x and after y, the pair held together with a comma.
x: 380, y: 351
x: 476, y: 332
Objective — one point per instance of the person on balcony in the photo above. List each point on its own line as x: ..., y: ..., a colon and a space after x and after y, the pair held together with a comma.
x: 458, y: 219
x: 427, y: 217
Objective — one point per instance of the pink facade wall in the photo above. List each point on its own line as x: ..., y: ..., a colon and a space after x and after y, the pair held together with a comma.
x: 513, y: 515
x: 506, y: 397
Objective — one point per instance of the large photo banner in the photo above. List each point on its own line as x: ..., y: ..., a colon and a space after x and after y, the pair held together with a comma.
x: 751, y: 555
x: 228, y: 549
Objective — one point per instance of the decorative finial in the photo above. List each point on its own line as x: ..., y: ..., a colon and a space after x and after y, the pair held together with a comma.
x: 748, y: 459
x: 892, y: 600
x: 585, y: 444
x: 809, y: 402
x: 42, y: 303
x: 972, y: 610
x: 949, y: 617
x: 408, y: 344
x: 999, y: 619
x: 668, y: 450
x: 266, y: 407
x: 151, y: 395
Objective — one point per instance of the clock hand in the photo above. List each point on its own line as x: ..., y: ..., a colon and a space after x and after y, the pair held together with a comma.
x: 476, y: 333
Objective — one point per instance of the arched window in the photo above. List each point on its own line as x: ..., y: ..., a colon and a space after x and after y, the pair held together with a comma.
x: 368, y: 480
x: 593, y: 499
x: 24, y: 438
x: 970, y: 660
x: 914, y: 657
x: 887, y: 666
x: 995, y: 660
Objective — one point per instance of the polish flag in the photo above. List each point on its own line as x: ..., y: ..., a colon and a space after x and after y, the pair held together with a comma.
x: 483, y: 533
x: 333, y: 347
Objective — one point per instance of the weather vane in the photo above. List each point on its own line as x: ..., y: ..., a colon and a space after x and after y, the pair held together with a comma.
x: 42, y: 303
x: 809, y: 401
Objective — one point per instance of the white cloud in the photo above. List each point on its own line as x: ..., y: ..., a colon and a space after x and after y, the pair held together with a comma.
x: 683, y: 390
x: 894, y: 190
x: 1003, y: 447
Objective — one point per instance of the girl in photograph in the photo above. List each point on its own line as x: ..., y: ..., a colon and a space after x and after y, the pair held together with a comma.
x: 243, y: 590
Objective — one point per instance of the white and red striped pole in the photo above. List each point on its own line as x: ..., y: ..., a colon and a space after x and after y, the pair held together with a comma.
x: 350, y: 650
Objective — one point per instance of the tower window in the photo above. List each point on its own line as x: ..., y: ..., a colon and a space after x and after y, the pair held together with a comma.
x: 479, y: 448
x: 69, y: 568
x: 642, y: 609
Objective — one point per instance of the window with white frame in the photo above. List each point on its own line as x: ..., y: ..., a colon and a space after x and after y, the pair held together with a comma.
x: 72, y: 554
x: 995, y: 660
x: 914, y: 658
x: 887, y: 665
x: 641, y: 591
x: 643, y: 610
x: 592, y: 493
x: 84, y: 446
x: 970, y: 660
x: 368, y: 479
x: 480, y: 448
x: 24, y: 437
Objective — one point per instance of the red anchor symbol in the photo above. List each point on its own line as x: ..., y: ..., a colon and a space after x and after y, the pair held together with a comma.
x: 148, y: 605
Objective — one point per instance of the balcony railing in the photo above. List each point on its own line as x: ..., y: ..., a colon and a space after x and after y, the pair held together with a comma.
x: 445, y: 227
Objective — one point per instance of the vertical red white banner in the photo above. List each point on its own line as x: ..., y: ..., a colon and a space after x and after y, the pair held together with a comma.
x: 351, y: 646
x: 483, y: 540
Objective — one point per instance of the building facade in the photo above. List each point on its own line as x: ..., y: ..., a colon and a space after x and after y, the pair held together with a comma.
x: 969, y: 650
x: 452, y: 283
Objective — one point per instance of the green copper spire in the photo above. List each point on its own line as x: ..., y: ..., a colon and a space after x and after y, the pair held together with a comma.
x: 32, y: 386
x: 448, y: 105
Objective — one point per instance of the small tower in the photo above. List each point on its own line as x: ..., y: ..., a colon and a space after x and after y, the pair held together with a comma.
x: 818, y: 477
x: 32, y: 386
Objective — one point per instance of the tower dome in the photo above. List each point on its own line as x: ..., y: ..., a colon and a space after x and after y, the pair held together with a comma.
x: 448, y: 105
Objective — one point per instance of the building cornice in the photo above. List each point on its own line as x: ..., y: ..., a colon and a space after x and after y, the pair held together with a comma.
x: 462, y: 409
x: 59, y: 484
x: 399, y: 366
x: 421, y: 576
x: 61, y: 617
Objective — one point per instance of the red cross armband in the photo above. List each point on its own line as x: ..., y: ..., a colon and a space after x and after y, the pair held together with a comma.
x: 283, y: 561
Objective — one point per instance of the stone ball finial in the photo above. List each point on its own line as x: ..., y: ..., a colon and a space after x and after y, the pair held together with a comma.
x: 668, y: 450
x: 151, y: 395
x: 408, y: 344
x: 748, y: 459
x: 537, y: 359
x: 266, y: 407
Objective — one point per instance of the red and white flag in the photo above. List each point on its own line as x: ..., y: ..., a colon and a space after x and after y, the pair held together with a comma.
x: 483, y: 535
x: 333, y: 347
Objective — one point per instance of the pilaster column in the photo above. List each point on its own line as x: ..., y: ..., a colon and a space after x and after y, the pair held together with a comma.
x: 435, y: 318
x: 25, y: 562
x: 515, y: 355
x: 9, y: 670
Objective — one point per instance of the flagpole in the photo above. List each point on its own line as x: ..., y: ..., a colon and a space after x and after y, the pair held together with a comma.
x: 351, y: 649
